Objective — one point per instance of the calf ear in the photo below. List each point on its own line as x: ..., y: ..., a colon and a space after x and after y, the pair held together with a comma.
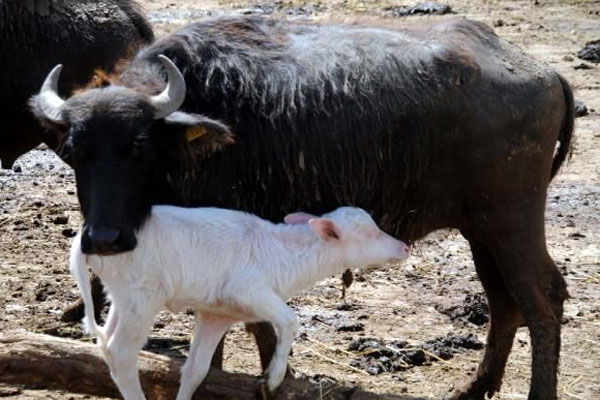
x: 201, y: 132
x: 325, y: 228
x: 298, y: 218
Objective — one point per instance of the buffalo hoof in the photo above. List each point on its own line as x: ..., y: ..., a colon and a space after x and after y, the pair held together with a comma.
x: 466, y: 392
x: 290, y: 372
x: 262, y: 390
x: 73, y: 312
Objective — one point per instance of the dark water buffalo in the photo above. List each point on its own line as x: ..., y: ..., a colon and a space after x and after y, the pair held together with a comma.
x: 35, y: 35
x: 431, y: 127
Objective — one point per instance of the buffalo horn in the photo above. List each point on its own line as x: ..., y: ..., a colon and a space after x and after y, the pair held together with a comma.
x: 49, y: 101
x: 174, y: 94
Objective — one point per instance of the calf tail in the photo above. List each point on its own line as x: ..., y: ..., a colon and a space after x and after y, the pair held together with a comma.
x: 78, y: 268
x: 566, y: 132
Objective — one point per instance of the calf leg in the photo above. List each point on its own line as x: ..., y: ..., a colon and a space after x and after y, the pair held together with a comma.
x: 122, y: 350
x: 109, y: 330
x: 208, y: 332
x: 270, y: 307
x: 111, y: 323
x: 505, y: 318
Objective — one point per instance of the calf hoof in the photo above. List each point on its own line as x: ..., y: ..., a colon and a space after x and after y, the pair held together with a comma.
x: 262, y: 390
x: 74, y: 312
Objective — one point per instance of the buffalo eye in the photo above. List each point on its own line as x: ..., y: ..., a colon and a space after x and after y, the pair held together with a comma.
x: 69, y: 151
x: 138, y: 145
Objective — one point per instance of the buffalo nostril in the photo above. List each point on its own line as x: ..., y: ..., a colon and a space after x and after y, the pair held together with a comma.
x: 103, y: 236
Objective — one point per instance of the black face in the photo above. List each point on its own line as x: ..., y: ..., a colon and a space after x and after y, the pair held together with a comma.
x: 119, y: 151
x: 109, y: 145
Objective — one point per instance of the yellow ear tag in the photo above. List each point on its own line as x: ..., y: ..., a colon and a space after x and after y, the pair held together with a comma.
x: 194, y: 132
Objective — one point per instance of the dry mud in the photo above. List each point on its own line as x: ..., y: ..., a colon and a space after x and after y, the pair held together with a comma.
x: 432, y: 302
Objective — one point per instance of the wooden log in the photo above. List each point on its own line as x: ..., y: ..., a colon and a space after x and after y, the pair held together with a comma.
x: 43, y: 361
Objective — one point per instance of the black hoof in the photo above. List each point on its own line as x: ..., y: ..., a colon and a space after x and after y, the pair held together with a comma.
x: 262, y: 390
x: 73, y: 312
x: 290, y: 372
x: 462, y: 394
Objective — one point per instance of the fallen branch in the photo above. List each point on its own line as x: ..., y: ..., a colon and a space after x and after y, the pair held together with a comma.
x: 43, y: 361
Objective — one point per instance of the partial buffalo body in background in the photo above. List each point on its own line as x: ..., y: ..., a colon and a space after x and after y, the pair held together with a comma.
x: 35, y: 35
x: 438, y: 126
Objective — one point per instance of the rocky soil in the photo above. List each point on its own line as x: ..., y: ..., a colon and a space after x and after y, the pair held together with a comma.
x: 416, y: 328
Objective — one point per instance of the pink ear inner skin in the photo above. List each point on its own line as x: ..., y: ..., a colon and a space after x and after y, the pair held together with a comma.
x: 325, y: 228
x: 298, y: 218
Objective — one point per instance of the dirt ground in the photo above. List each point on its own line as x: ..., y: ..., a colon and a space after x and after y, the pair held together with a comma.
x: 434, y: 294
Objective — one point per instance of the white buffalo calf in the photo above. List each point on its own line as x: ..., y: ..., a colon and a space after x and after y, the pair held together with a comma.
x: 227, y: 266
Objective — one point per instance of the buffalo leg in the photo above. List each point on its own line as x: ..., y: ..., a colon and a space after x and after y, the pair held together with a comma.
x: 505, y: 318
x: 24, y: 130
x: 266, y: 339
x: 540, y: 290
x: 7, y: 162
x: 74, y: 312
x: 514, y: 235
x: 217, y: 357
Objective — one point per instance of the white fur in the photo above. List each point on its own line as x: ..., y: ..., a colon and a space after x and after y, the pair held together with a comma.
x: 227, y: 266
x: 79, y: 270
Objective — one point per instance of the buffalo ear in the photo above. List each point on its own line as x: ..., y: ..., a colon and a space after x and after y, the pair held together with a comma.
x: 54, y: 133
x: 56, y: 127
x: 325, y: 228
x: 201, y: 132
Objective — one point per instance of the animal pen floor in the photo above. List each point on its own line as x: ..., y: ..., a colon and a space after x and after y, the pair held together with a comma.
x: 435, y: 294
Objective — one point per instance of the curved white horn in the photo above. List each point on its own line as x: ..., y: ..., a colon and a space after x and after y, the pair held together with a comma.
x: 49, y: 101
x: 174, y: 94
